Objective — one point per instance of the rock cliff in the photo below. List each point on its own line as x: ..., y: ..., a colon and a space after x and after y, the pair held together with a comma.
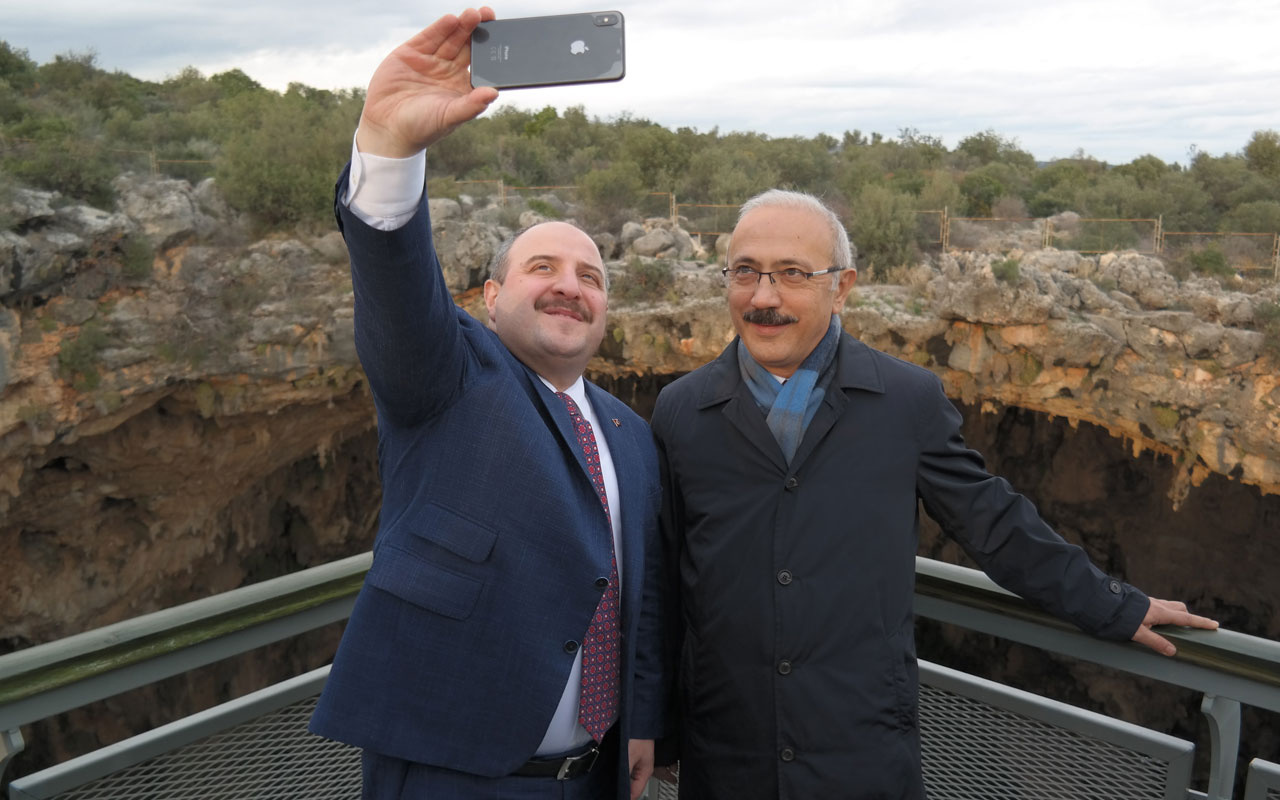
x: 182, y: 409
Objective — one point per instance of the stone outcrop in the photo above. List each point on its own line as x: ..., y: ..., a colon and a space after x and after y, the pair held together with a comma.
x: 161, y: 427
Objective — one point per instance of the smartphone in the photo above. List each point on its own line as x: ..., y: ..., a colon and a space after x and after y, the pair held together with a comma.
x: 548, y: 51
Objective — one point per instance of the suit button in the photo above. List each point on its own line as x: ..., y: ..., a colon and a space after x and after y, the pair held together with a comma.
x: 787, y: 754
x: 791, y: 483
x: 784, y: 577
x: 602, y: 583
x: 571, y: 646
x: 784, y: 667
x: 1114, y: 586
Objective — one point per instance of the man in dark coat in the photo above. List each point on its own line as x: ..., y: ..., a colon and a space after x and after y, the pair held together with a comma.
x: 792, y: 468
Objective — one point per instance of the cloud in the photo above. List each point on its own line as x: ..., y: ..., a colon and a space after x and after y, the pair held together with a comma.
x: 1116, y: 79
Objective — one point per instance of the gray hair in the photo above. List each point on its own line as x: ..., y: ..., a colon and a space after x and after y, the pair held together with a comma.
x: 501, y: 260
x: 843, y: 252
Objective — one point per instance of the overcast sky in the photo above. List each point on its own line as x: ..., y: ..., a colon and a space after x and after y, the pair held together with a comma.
x: 1116, y: 78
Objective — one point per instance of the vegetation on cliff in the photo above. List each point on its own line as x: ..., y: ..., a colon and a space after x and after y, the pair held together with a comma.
x: 70, y: 126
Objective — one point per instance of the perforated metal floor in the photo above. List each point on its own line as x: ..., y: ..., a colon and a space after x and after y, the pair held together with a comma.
x: 273, y: 756
x: 973, y: 751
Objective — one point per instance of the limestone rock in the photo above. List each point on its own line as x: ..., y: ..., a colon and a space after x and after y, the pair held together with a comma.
x: 166, y: 209
x: 92, y: 223
x: 443, y: 208
x: 530, y: 218
x: 210, y: 200
x: 630, y: 232
x: 607, y: 244
x: 1143, y: 278
x: 654, y: 244
x: 28, y: 206
x: 465, y: 250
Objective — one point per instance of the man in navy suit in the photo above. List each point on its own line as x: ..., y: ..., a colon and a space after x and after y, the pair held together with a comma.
x: 497, y: 648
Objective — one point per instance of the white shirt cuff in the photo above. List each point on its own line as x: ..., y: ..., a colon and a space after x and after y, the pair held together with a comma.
x: 384, y: 192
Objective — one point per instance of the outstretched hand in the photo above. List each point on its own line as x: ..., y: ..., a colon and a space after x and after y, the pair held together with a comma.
x: 422, y: 90
x: 1168, y: 612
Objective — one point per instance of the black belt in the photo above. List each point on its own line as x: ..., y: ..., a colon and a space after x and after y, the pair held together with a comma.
x: 562, y: 769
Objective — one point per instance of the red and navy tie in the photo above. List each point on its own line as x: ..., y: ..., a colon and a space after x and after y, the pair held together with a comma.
x: 600, y: 653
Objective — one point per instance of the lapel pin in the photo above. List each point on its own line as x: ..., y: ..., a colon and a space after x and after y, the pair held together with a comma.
x: 616, y: 424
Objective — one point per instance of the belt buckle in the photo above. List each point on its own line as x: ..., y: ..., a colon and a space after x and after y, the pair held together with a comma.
x: 569, y: 761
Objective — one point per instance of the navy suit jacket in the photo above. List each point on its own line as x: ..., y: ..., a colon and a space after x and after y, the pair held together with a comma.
x: 491, y: 537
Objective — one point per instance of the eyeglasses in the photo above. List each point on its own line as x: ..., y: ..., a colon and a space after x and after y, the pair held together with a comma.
x: 792, y: 277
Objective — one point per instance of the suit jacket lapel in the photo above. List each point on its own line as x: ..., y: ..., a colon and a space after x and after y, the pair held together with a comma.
x: 555, y: 414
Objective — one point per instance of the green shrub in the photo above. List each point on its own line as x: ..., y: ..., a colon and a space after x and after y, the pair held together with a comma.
x: 544, y: 208
x: 1006, y: 270
x: 282, y: 153
x: 609, y: 194
x: 1210, y: 260
x: 1267, y: 316
x: 443, y: 186
x: 78, y: 358
x: 78, y: 168
x: 137, y: 255
x: 883, y: 225
x: 644, y: 281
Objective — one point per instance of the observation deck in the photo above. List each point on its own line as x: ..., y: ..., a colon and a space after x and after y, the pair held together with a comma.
x: 980, y: 739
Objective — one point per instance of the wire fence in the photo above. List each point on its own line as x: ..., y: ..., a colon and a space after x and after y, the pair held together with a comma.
x: 1245, y: 252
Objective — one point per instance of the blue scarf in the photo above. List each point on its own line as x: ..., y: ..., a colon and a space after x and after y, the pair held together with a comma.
x: 791, y: 405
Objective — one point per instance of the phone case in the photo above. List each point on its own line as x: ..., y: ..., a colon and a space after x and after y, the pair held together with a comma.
x: 548, y: 51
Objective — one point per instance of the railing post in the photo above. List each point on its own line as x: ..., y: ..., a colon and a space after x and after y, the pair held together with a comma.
x: 1224, y: 742
x: 11, y: 744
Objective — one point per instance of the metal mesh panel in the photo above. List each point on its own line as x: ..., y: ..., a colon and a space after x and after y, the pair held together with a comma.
x: 1264, y: 781
x: 974, y: 750
x: 273, y: 756
x: 662, y: 790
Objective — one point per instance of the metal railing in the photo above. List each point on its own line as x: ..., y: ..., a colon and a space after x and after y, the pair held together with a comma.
x: 972, y: 730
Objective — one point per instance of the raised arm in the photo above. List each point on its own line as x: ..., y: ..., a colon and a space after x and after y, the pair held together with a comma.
x: 422, y: 90
x: 407, y: 327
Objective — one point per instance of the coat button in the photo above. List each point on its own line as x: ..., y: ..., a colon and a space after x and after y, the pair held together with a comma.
x: 784, y: 667
x: 602, y: 583
x: 787, y: 754
x: 792, y: 483
x: 1114, y: 586
x: 571, y: 646
x: 784, y: 577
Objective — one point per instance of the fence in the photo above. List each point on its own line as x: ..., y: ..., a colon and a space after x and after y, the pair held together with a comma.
x: 979, y: 739
x: 129, y: 159
x: 1242, y: 251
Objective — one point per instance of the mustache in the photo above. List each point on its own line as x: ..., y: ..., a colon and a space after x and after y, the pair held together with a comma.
x: 568, y: 305
x: 767, y: 316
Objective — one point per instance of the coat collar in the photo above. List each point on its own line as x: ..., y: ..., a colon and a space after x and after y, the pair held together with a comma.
x: 856, y: 368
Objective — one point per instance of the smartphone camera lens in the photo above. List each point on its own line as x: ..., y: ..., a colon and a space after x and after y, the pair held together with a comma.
x: 605, y: 20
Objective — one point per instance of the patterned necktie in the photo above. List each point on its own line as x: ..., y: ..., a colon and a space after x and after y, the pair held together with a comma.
x: 600, y: 653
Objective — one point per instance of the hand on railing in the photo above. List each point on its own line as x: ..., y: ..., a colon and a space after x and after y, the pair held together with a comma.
x: 1168, y: 612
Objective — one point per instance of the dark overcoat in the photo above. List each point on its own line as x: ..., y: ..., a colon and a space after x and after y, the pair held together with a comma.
x: 794, y: 584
